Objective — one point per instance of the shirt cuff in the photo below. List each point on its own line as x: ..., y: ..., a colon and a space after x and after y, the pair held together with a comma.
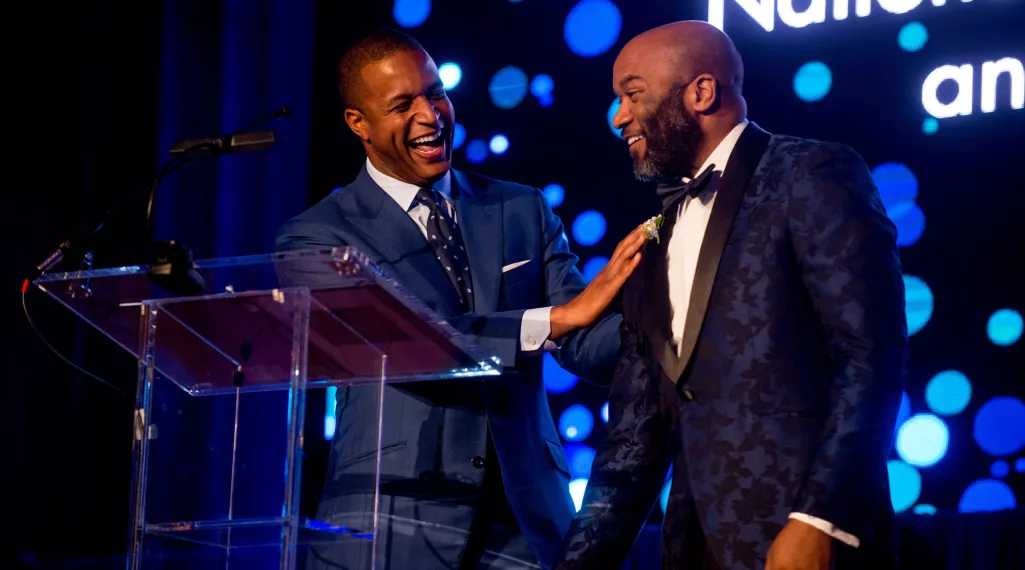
x: 828, y: 528
x: 535, y: 328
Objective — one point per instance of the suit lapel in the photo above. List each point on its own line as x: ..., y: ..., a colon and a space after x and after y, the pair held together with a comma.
x: 656, y: 326
x: 479, y: 218
x: 730, y: 194
x: 396, y: 238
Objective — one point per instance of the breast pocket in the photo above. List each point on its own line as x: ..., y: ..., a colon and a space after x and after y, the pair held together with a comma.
x: 522, y: 286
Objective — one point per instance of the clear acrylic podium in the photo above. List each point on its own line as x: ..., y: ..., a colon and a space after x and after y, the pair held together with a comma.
x: 221, y: 392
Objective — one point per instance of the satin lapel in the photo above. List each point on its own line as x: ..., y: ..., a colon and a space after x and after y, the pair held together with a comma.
x: 479, y: 217
x: 730, y: 194
x: 396, y: 238
x: 656, y: 315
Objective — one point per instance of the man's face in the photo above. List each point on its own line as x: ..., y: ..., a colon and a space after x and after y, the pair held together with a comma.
x: 663, y: 135
x: 407, y: 118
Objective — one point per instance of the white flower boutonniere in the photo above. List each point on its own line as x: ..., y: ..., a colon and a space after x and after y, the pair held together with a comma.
x: 651, y: 228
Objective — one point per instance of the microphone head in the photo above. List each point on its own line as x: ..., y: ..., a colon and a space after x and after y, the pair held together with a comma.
x: 283, y: 112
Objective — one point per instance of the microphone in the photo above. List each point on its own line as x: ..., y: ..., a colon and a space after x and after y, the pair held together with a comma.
x: 229, y: 144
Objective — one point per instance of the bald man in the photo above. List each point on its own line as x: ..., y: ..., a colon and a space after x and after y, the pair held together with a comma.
x: 764, y: 340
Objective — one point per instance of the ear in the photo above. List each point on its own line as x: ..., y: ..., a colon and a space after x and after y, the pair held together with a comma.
x: 357, y: 122
x: 705, y: 94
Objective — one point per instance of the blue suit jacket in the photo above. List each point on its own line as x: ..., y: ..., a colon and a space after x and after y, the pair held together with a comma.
x: 786, y: 389
x: 433, y: 430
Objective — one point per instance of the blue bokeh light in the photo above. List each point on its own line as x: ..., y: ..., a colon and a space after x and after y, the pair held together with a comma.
x: 576, y: 423
x: 589, y: 227
x: 577, y: 487
x: 499, y: 144
x: 999, y: 469
x: 910, y: 226
x: 593, y: 266
x: 923, y: 509
x: 605, y: 417
x: 542, y: 85
x: 918, y: 303
x: 930, y: 125
x: 476, y: 151
x: 580, y: 458
x: 411, y: 13
x: 451, y: 74
x: 613, y: 109
x: 547, y: 100
x: 555, y: 194
x: 903, y: 412
x: 922, y: 440
x: 905, y: 485
x: 812, y: 81
x: 998, y: 426
x: 508, y: 87
x: 557, y: 379
x: 592, y: 27
x: 458, y: 136
x: 987, y: 495
x: 1005, y: 327
x: 948, y: 393
x: 912, y: 36
x: 898, y: 188
x: 1019, y: 465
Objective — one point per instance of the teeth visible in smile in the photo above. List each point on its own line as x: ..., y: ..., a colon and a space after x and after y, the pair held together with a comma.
x: 426, y: 138
x: 630, y: 141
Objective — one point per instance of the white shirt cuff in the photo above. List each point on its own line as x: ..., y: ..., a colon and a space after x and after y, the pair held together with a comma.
x: 828, y: 528
x: 535, y: 328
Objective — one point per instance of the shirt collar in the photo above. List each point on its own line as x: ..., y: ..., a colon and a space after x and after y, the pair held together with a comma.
x: 723, y: 151
x: 404, y: 193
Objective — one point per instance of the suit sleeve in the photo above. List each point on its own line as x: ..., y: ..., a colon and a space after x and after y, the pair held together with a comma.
x: 588, y: 353
x: 847, y: 254
x: 629, y: 468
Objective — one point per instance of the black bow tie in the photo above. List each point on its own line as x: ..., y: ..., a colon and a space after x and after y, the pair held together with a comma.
x: 671, y: 193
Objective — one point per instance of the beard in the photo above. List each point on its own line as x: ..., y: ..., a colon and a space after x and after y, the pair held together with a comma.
x: 672, y: 137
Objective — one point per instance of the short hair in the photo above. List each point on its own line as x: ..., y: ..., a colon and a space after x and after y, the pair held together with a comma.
x: 371, y: 48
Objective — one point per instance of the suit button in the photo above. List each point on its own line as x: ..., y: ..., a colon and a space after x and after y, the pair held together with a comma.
x: 477, y: 462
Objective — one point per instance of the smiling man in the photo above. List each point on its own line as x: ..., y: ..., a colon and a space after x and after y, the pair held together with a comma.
x: 473, y: 473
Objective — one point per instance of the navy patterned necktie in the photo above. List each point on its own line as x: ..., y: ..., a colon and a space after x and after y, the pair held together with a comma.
x: 670, y: 194
x: 443, y: 236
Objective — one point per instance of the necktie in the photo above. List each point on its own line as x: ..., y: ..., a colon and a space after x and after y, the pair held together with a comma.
x: 672, y: 193
x: 443, y: 236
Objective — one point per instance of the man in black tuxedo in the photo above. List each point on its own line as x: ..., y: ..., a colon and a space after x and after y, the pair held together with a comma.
x: 764, y: 342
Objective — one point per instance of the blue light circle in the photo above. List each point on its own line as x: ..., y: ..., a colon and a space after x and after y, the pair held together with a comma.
x: 948, y: 393
x: 592, y: 27
x: 1019, y: 465
x: 922, y: 440
x: 499, y: 144
x: 542, y: 85
x: 903, y: 412
x: 458, y: 136
x: 930, y: 125
x: 905, y: 485
x: 411, y: 13
x: 923, y: 509
x: 998, y: 426
x: 999, y: 469
x: 910, y: 226
x: 546, y: 101
x: 576, y: 423
x: 508, y: 87
x: 476, y: 151
x: 1005, y: 327
x: 897, y: 186
x: 987, y: 495
x: 812, y: 81
x: 580, y: 458
x: 605, y: 418
x: 613, y: 109
x: 589, y: 227
x: 555, y: 194
x: 912, y: 36
x: 557, y: 379
x: 918, y: 303
x: 593, y: 266
x: 451, y: 74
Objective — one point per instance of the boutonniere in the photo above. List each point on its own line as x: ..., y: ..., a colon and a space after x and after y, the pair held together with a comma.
x: 651, y: 228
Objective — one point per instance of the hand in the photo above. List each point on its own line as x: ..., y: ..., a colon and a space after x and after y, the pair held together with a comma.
x: 800, y: 546
x: 583, y: 310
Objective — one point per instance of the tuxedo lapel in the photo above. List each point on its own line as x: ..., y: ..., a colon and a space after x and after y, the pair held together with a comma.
x: 657, y: 305
x: 730, y: 194
x: 479, y: 218
x: 396, y: 238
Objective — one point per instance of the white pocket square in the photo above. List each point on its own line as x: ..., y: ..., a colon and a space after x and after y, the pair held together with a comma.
x: 512, y: 266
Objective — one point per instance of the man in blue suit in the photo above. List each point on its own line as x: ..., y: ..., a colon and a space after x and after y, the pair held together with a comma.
x: 764, y: 338
x: 473, y: 473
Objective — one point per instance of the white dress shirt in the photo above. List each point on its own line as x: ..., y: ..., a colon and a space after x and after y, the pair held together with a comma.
x: 536, y: 325
x: 682, y: 261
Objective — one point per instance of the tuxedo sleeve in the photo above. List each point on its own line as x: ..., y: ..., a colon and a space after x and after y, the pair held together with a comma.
x: 847, y: 255
x: 629, y: 467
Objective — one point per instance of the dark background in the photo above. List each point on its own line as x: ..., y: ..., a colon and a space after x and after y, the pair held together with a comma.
x: 96, y: 91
